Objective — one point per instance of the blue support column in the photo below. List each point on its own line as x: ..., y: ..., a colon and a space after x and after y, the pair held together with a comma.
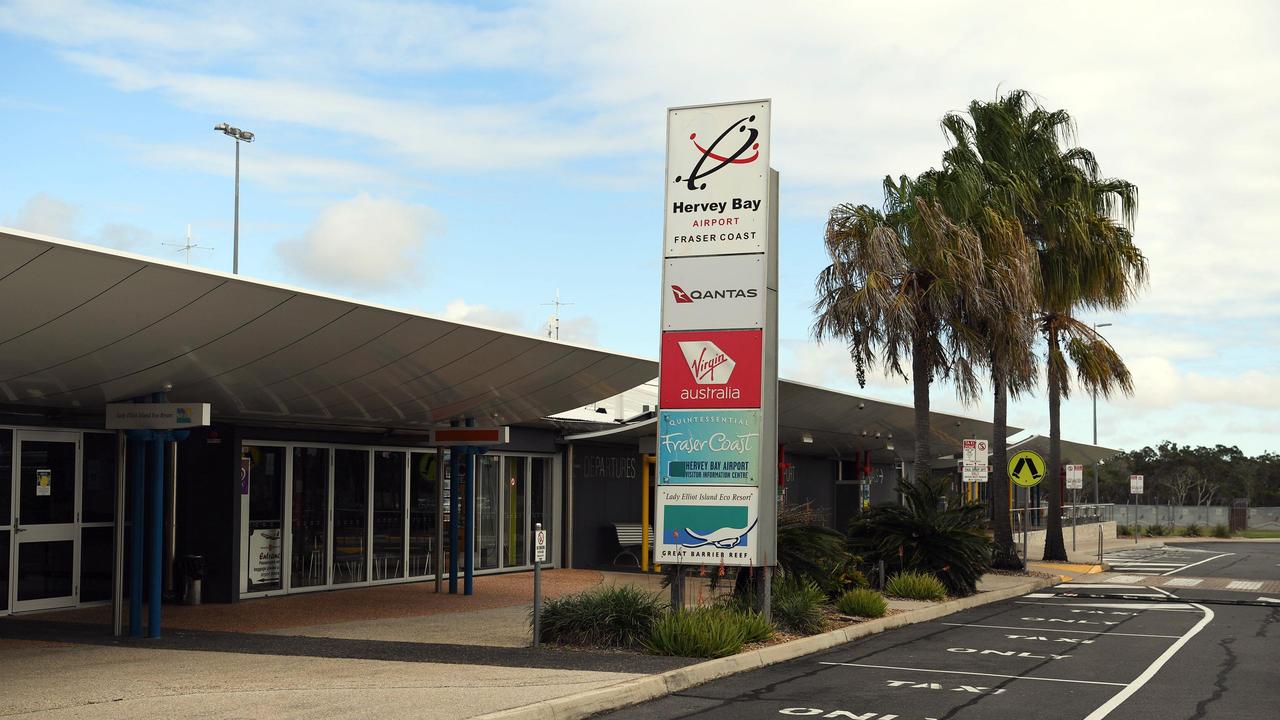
x: 137, y: 515
x: 156, y: 535
x: 470, y: 562
x: 455, y: 473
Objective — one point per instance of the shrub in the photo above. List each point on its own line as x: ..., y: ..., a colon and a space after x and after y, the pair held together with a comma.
x: 797, y: 605
x: 930, y: 532
x: 611, y: 616
x: 1156, y: 530
x: 862, y: 603
x: 1221, y: 531
x: 915, y: 586
x: 1192, y: 530
x: 711, y: 631
x: 847, y: 576
x: 1123, y: 529
x: 808, y: 549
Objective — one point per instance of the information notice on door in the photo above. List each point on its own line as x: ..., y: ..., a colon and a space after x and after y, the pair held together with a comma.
x: 264, y: 556
x: 44, y: 482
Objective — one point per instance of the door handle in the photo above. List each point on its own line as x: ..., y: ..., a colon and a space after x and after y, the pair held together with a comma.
x: 19, y: 529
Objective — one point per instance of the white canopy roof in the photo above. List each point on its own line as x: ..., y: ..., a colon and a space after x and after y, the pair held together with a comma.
x: 84, y: 326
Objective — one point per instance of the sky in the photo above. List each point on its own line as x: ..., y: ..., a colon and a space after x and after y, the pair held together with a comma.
x: 470, y: 161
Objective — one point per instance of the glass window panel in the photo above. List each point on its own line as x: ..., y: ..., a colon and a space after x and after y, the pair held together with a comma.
x: 6, y: 492
x: 310, y: 523
x: 44, y: 569
x: 95, y: 563
x: 266, y: 517
x: 488, y: 495
x: 514, y: 518
x: 47, y: 483
x: 350, y: 515
x: 98, y: 496
x: 388, y: 514
x: 540, y: 500
x: 422, y: 513
x: 4, y: 568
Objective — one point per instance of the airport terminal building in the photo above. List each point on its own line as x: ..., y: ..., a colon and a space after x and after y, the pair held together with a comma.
x: 319, y: 470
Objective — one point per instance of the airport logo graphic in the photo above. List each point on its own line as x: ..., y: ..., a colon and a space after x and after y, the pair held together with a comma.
x: 708, y: 363
x: 680, y: 295
x: 748, y: 137
x: 711, y: 369
x: 683, y: 297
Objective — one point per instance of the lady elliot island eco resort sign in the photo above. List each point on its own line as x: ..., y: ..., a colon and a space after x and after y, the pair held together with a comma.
x: 718, y: 428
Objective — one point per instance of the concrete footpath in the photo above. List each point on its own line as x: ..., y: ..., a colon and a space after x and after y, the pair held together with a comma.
x: 375, y: 658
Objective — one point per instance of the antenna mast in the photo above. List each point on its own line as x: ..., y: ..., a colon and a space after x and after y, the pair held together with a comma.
x: 553, y: 330
x: 188, y: 246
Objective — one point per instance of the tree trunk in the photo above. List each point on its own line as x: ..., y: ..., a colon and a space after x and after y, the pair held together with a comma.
x: 1055, y: 548
x: 1005, y: 553
x: 920, y: 386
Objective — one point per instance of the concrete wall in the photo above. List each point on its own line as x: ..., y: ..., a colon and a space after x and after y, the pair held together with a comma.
x: 1086, y: 537
x: 1261, y: 518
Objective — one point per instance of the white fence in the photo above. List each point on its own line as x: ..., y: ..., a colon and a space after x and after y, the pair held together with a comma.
x: 1260, y: 518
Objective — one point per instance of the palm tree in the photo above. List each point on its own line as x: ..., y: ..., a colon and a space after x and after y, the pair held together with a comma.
x: 1080, y: 226
x: 899, y: 278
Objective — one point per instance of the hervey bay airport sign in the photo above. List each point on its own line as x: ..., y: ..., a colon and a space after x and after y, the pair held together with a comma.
x: 717, y: 428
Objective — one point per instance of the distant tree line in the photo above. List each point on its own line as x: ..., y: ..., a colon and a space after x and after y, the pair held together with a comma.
x: 1185, y: 475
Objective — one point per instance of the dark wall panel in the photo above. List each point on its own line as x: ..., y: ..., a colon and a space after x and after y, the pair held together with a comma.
x: 606, y: 490
x: 208, y: 507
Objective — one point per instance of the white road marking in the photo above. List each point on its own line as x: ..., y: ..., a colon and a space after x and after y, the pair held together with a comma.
x: 1040, y: 595
x: 962, y: 672
x: 1160, y: 606
x: 1144, y: 563
x: 1244, y: 585
x: 1267, y: 599
x: 1183, y: 582
x: 1124, y: 579
x: 1184, y: 567
x: 1109, y: 586
x: 1133, y: 687
x: 1063, y: 630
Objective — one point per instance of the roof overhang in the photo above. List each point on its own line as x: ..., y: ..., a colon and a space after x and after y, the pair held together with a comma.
x: 85, y: 326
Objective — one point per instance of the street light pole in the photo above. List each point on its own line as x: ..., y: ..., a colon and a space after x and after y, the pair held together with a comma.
x: 238, y: 135
x: 1097, y: 499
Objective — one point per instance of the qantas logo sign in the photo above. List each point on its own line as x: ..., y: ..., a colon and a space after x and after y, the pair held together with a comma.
x: 728, y: 294
x: 710, y: 369
x: 708, y: 363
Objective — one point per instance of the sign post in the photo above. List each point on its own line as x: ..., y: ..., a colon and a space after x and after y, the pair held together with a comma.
x: 717, y: 476
x: 1075, y: 481
x: 1135, y: 489
x: 539, y: 557
x: 1026, y: 470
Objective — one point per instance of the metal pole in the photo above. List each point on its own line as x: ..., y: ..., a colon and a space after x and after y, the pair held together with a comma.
x: 155, y: 581
x: 170, y: 517
x: 469, y: 552
x: 437, y: 560
x: 455, y: 481
x: 644, y: 513
x: 117, y: 562
x: 766, y: 593
x: 137, y: 522
x: 1075, y: 504
x: 1026, y: 518
x: 235, y: 250
x: 537, y: 589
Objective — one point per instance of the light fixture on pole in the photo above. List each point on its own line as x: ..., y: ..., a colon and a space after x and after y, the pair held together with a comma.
x: 1096, y: 497
x: 239, y: 136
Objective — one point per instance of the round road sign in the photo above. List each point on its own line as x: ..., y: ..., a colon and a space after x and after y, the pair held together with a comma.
x: 1026, y: 469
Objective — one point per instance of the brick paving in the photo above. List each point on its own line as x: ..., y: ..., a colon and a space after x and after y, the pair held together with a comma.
x: 350, y: 604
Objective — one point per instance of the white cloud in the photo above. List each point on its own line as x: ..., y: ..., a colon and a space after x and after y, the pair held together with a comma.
x: 364, y: 243
x: 462, y: 311
x: 47, y: 215
x: 582, y: 330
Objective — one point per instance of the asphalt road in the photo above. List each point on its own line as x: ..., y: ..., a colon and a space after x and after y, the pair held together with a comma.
x: 1044, y: 656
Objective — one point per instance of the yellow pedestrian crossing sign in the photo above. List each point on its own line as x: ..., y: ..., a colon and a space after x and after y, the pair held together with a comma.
x: 1026, y: 469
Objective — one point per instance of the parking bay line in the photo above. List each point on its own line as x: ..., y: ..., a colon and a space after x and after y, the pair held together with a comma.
x: 1133, y: 687
x: 1184, y: 567
x: 1063, y: 630
x: 979, y: 674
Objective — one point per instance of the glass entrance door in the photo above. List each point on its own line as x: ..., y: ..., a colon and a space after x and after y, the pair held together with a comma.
x: 46, y: 548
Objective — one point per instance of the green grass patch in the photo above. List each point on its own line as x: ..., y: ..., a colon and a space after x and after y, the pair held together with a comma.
x: 711, y: 632
x: 611, y: 616
x: 862, y: 603
x: 915, y: 586
x: 797, y: 605
x: 1260, y: 534
x: 1221, y: 531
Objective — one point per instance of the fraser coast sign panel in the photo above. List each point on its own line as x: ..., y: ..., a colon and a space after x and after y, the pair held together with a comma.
x: 717, y: 179
x: 716, y: 369
x: 707, y: 526
x: 714, y: 293
x: 709, y: 447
